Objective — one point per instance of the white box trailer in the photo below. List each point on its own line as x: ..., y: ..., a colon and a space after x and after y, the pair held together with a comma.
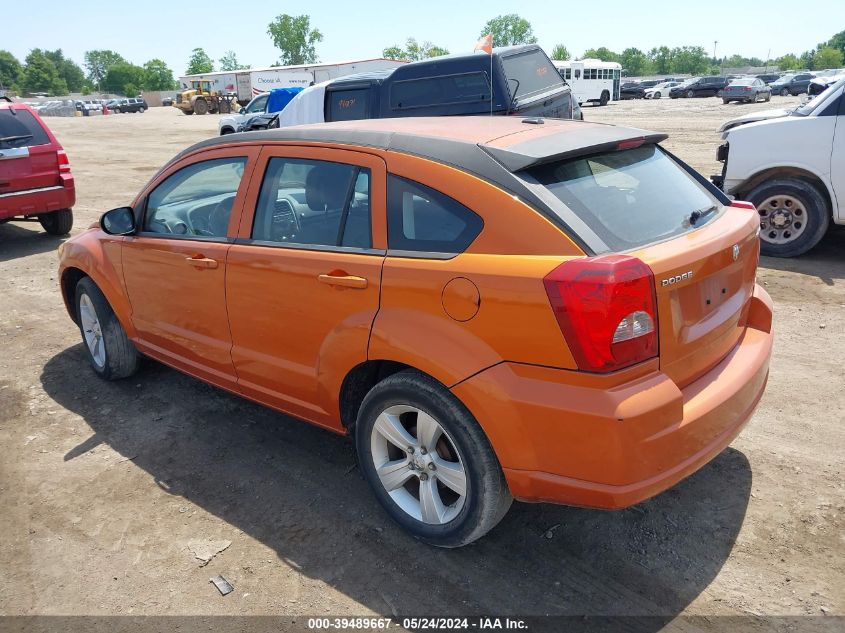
x: 250, y: 83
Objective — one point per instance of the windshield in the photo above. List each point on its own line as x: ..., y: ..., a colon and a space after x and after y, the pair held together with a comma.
x: 630, y: 198
x: 816, y: 101
x: 689, y: 81
x: 784, y: 79
x: 530, y: 73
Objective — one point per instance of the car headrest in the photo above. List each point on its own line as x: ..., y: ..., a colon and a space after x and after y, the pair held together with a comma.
x: 326, y: 186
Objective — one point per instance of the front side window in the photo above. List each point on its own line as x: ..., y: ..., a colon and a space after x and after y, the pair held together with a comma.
x: 314, y: 203
x: 629, y: 198
x: 259, y: 104
x: 197, y: 200
x: 424, y: 220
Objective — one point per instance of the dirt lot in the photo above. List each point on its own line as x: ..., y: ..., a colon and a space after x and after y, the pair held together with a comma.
x: 110, y: 491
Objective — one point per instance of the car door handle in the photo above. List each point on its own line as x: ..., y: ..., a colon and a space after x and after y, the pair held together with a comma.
x: 201, y: 262
x: 347, y: 281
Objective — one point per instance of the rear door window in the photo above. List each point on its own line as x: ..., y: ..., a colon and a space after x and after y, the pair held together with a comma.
x: 20, y: 128
x: 424, y: 220
x: 630, y: 198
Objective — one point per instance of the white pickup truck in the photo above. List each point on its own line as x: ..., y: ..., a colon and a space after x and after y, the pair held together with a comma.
x: 791, y: 165
x: 231, y: 123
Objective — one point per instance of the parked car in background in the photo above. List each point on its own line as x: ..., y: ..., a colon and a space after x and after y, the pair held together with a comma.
x: 746, y: 90
x: 136, y: 104
x: 792, y: 168
x: 167, y: 101
x: 35, y: 178
x: 793, y: 84
x: 451, y: 85
x: 700, y: 87
x: 658, y: 91
x: 631, y: 90
x: 540, y: 263
x: 768, y: 78
x: 267, y: 103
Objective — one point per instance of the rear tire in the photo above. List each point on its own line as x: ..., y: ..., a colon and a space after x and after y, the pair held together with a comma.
x: 110, y: 352
x: 605, y: 97
x: 201, y: 106
x: 690, y: 94
x: 459, y: 453
x: 794, y: 216
x: 57, y: 222
x: 726, y: 100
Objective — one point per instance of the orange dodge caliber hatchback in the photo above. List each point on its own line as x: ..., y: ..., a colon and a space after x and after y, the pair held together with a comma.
x: 495, y: 308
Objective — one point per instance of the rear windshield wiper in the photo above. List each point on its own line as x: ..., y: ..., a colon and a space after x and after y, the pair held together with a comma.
x: 12, y: 139
x: 696, y: 215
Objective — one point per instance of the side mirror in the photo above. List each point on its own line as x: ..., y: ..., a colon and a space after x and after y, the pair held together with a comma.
x: 120, y: 221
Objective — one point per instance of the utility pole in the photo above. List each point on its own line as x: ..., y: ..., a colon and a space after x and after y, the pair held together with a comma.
x: 714, y: 50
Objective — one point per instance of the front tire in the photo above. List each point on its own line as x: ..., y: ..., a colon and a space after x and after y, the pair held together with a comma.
x: 110, y: 352
x: 784, y: 92
x: 726, y: 101
x: 57, y: 222
x: 794, y: 216
x: 201, y: 106
x: 428, y: 462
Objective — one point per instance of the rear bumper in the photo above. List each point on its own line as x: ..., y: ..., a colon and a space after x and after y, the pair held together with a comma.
x: 38, y: 201
x: 564, y: 440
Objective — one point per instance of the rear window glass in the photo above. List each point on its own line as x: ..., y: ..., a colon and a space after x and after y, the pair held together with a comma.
x: 629, y: 198
x: 348, y: 105
x: 530, y: 73
x: 19, y: 128
x: 441, y: 90
x: 424, y: 220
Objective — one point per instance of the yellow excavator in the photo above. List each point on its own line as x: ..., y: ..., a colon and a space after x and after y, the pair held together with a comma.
x: 200, y: 99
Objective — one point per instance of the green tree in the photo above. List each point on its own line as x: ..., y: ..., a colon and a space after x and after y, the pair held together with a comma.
x: 229, y: 61
x: 68, y: 70
x: 560, y: 52
x: 690, y: 59
x: 41, y: 75
x: 10, y: 69
x: 788, y: 62
x: 661, y: 59
x: 295, y: 38
x: 199, y: 63
x: 157, y: 76
x: 98, y: 62
x: 509, y: 29
x: 635, y: 62
x: 414, y: 51
x: 827, y: 57
x: 806, y: 60
x: 837, y: 41
x: 124, y: 78
x: 602, y: 53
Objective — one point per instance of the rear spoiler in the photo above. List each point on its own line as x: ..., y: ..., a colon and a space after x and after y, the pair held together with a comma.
x: 570, y: 144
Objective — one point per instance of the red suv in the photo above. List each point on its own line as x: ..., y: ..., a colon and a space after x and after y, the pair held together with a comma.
x: 35, y: 178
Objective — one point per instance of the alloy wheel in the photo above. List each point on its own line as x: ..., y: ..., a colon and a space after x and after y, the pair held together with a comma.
x: 92, y: 330
x: 418, y: 464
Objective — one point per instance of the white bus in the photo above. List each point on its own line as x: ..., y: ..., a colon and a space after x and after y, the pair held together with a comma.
x: 591, y: 80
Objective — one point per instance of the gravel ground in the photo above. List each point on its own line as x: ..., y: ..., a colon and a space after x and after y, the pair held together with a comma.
x: 113, y: 495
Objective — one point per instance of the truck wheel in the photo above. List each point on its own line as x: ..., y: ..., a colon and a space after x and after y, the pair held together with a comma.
x: 141, y: 110
x: 605, y: 97
x: 110, y: 352
x: 201, y: 106
x: 187, y: 112
x: 428, y: 462
x: 57, y: 222
x: 793, y: 216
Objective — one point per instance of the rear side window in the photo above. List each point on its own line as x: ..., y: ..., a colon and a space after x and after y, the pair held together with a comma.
x: 424, y: 220
x: 20, y: 128
x: 348, y: 105
x: 441, y: 90
x: 531, y: 73
x: 629, y: 198
x: 314, y: 203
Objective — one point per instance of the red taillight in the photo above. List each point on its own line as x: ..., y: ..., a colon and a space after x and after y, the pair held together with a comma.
x: 64, y: 163
x: 748, y: 89
x: 606, y: 308
x: 742, y: 204
x: 630, y: 143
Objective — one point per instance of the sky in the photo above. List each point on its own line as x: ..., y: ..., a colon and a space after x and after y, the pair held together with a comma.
x: 359, y: 29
